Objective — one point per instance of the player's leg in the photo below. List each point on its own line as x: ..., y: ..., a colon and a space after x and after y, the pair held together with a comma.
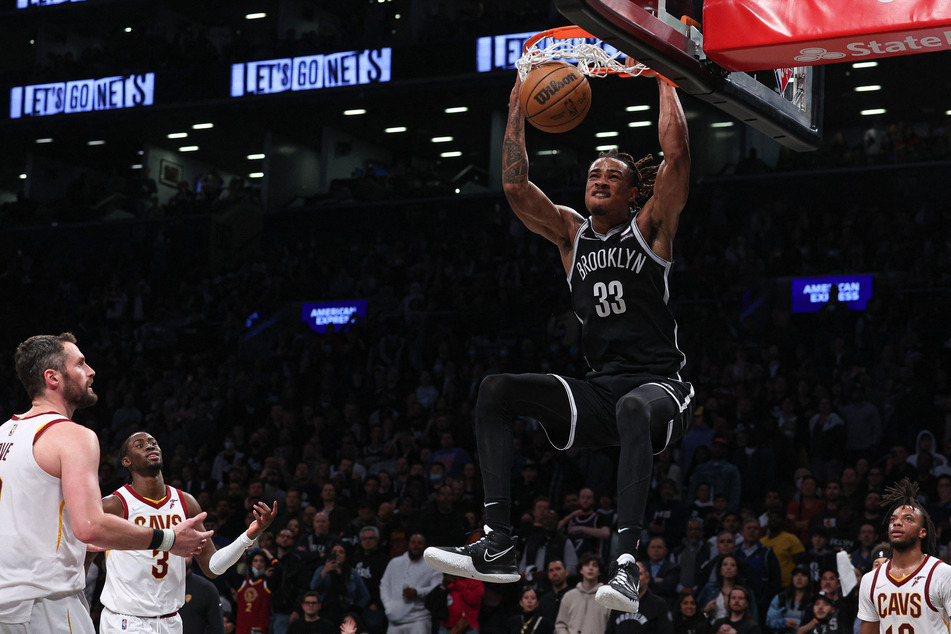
x: 648, y: 418
x: 502, y: 399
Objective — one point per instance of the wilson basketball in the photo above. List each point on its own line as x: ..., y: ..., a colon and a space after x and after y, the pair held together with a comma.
x: 555, y: 97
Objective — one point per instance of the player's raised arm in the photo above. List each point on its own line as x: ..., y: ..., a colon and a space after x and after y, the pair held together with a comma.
x: 216, y: 562
x: 672, y: 184
x: 540, y: 215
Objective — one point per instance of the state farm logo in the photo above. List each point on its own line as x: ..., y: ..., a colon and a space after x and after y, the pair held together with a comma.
x: 816, y: 54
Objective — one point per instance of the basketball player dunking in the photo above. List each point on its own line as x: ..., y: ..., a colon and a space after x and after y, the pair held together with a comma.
x: 617, y: 262
x: 912, y: 592
x: 145, y: 589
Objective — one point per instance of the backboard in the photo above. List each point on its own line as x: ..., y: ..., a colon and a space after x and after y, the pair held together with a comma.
x: 785, y: 105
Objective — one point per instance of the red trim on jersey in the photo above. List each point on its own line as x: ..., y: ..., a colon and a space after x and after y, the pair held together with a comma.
x: 181, y: 500
x: 125, y: 506
x: 928, y: 586
x: 42, y: 430
x: 157, y: 504
x: 19, y: 417
x: 909, y: 577
x: 871, y: 591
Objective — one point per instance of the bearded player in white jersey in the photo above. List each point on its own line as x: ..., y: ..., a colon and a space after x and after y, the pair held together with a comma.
x: 145, y: 589
x: 49, y: 497
x: 911, y: 593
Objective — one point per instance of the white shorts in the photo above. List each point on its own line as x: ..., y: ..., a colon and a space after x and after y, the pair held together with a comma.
x: 63, y: 613
x: 113, y: 623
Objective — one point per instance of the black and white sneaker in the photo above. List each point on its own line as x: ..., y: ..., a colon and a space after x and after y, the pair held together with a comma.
x: 621, y: 592
x: 491, y: 559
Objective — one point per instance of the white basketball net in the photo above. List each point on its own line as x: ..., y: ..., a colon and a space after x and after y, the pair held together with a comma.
x: 590, y: 59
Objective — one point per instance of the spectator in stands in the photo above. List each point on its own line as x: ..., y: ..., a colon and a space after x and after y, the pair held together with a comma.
x: 714, y: 598
x: 784, y: 545
x: 741, y: 618
x: 691, y: 554
x: 341, y: 587
x: 720, y: 473
x: 530, y: 620
x: 369, y: 561
x: 579, y: 613
x: 787, y: 608
x: 664, y: 575
x: 800, y: 512
x: 404, y: 587
x: 688, y: 619
x: 550, y: 602
x: 765, y: 579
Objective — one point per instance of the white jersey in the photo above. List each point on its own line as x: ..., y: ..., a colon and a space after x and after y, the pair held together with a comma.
x: 39, y: 554
x: 146, y: 582
x: 920, y: 601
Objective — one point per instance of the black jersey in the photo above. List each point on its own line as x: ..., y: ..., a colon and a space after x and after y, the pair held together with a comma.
x: 619, y: 292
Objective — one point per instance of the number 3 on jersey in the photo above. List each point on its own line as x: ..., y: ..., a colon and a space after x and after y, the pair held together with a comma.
x: 610, y: 298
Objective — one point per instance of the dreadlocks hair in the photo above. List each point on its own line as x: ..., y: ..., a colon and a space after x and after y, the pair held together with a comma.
x: 643, y: 172
x: 905, y: 493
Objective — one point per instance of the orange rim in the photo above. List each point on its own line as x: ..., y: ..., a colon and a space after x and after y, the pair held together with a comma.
x: 558, y: 33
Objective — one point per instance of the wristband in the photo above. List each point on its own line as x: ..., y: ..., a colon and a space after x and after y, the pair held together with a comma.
x: 162, y: 539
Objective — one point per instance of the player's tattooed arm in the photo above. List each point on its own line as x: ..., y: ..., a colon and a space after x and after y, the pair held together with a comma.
x: 514, y: 155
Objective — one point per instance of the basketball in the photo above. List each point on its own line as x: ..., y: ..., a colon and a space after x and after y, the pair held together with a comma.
x: 555, y: 97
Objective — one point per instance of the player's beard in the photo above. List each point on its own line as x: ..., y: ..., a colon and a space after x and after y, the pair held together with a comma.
x: 79, y: 396
x: 905, y: 543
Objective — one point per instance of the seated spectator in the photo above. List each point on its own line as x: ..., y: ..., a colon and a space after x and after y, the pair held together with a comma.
x: 340, y: 586
x: 789, y: 606
x: 740, y: 619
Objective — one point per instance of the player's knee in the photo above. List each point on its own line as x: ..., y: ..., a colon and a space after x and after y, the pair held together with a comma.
x: 493, y: 389
x: 632, y: 412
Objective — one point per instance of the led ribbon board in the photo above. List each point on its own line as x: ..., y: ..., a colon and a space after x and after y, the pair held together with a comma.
x: 500, y: 52
x: 810, y: 294
x: 84, y: 95
x: 23, y: 4
x: 318, y: 315
x: 312, y: 72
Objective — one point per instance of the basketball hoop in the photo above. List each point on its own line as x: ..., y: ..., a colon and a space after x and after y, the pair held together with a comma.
x: 571, y: 43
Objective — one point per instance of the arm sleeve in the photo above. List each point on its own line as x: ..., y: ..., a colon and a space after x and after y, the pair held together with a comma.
x: 229, y: 555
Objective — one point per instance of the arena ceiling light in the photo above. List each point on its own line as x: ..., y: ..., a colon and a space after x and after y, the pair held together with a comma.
x: 638, y: 124
x: 456, y: 110
x: 722, y: 124
x: 547, y: 152
x: 22, y: 177
x: 255, y: 157
x: 188, y: 148
x: 450, y: 154
x: 136, y: 166
x: 256, y: 175
x: 872, y: 111
x: 637, y: 108
x: 441, y: 139
x: 44, y: 140
x: 96, y: 142
x: 255, y: 16
x: 395, y: 129
x: 354, y: 112
x: 178, y: 135
x: 605, y: 148
x: 203, y: 126
x: 867, y: 88
x: 606, y: 135
x: 864, y: 64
